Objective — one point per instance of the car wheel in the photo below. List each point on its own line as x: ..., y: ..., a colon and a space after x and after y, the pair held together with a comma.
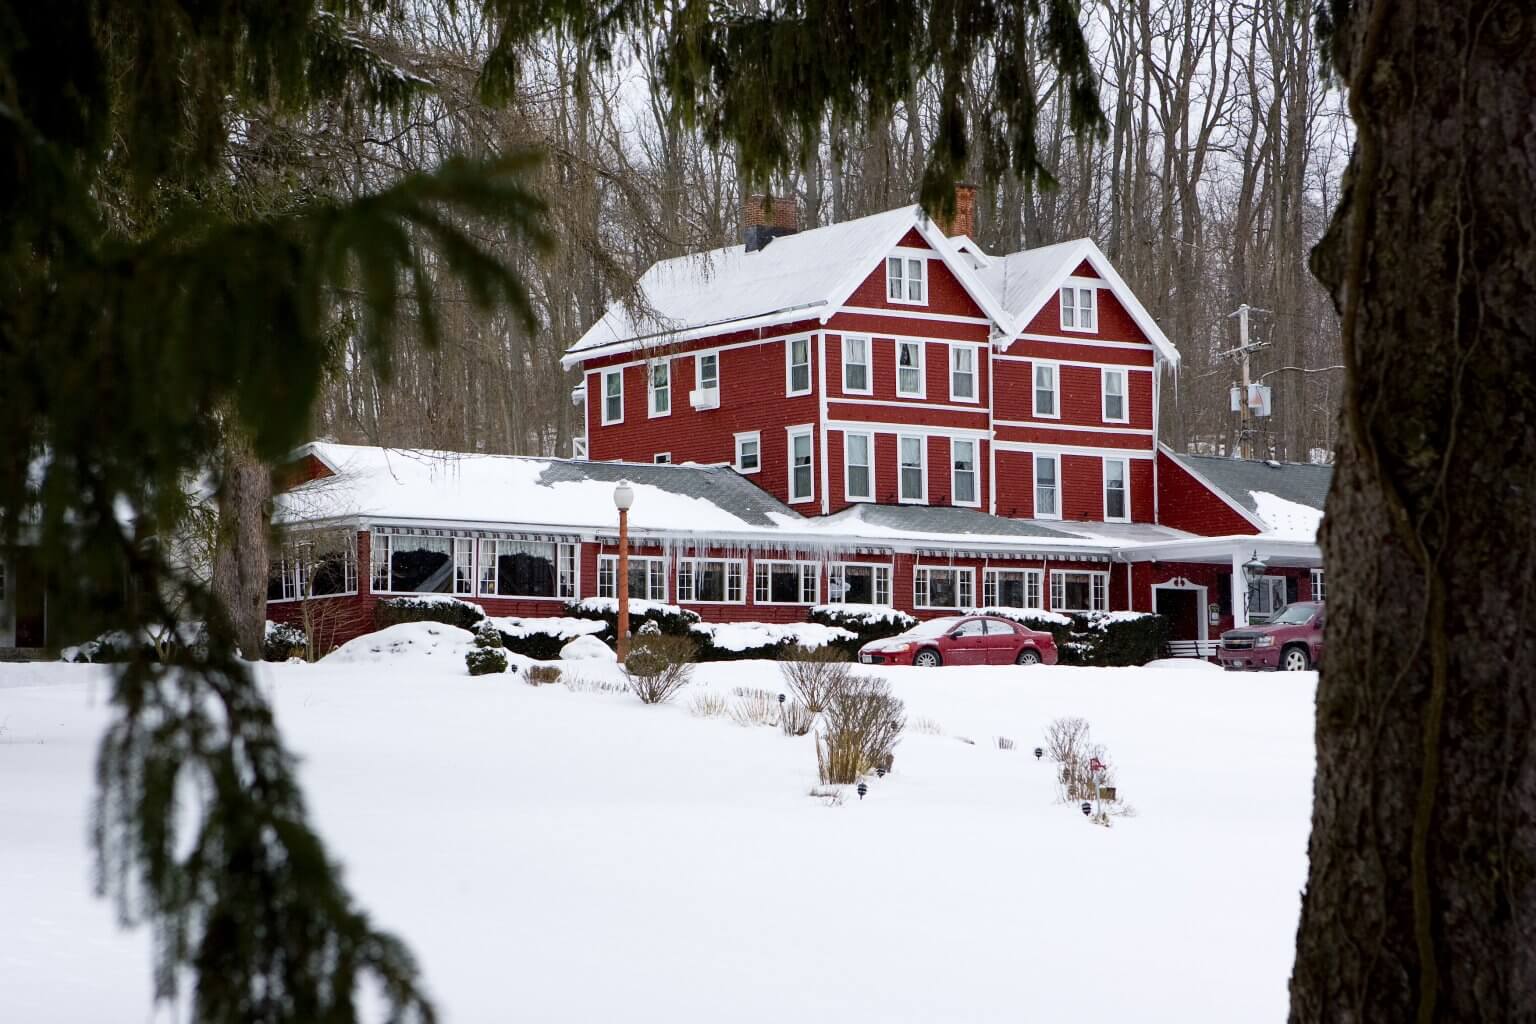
x: 1028, y: 656
x: 927, y: 658
x: 1294, y: 659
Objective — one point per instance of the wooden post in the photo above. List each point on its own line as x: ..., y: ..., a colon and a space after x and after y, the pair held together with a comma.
x: 621, y: 585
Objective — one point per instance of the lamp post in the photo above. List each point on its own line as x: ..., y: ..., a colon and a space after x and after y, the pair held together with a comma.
x: 623, y: 498
x: 1253, y: 571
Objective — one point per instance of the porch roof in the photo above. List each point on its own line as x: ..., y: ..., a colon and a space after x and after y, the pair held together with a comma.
x: 1287, y: 498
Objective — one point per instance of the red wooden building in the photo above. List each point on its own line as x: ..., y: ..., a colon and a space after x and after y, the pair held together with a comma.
x: 875, y: 412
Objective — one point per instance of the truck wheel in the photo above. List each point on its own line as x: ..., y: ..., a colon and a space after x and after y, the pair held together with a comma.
x: 1028, y: 656
x: 1294, y: 659
x: 927, y: 658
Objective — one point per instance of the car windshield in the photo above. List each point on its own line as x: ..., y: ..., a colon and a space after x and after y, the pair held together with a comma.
x: 1294, y: 615
x: 933, y: 627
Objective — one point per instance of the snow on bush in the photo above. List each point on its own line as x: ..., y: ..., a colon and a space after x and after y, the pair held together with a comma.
x: 738, y: 637
x: 637, y: 607
x: 485, y: 661
x: 587, y: 648
x: 442, y: 608
x: 283, y: 641
x: 408, y: 639
x: 563, y: 627
x: 863, y: 614
x: 1030, y: 616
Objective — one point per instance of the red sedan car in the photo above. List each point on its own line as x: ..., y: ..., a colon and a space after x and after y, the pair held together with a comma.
x: 963, y: 640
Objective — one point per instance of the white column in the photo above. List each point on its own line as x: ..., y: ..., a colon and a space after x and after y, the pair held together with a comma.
x: 1239, y: 591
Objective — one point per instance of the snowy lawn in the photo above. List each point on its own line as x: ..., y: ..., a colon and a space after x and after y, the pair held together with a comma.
x: 575, y: 856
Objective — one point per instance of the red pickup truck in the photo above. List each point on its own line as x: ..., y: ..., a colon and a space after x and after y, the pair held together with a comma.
x: 1292, y: 641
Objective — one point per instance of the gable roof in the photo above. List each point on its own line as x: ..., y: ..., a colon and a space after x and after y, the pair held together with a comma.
x: 1282, y: 498
x: 808, y: 274
x: 406, y: 484
x: 1025, y: 281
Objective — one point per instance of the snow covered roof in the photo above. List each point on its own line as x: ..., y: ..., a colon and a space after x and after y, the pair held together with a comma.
x: 1025, y: 281
x: 400, y: 484
x: 810, y: 273
x: 1287, y: 498
x: 963, y: 529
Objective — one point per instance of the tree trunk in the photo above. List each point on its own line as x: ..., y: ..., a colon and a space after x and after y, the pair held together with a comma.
x: 240, y: 563
x: 1421, y: 899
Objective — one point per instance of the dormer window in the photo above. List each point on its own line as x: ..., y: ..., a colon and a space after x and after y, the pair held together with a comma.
x: 1077, y: 309
x: 906, y: 279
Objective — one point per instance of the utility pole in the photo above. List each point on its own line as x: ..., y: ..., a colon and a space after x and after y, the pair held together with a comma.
x: 1241, y: 353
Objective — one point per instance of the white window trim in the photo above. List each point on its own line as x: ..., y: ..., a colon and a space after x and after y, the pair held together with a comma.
x: 650, y: 389
x: 922, y: 369
x: 959, y: 571
x: 975, y: 472
x: 1055, y: 389
x: 834, y: 568
x: 869, y: 365
x: 789, y: 367
x: 698, y: 366
x: 388, y: 541
x: 848, y: 494
x: 1125, y: 398
x: 1102, y: 577
x: 648, y: 559
x: 1319, y: 580
x: 907, y: 256
x: 603, y: 384
x: 800, y: 567
x: 1092, y: 285
x: 693, y: 564
x: 991, y: 580
x: 1034, y: 482
x: 749, y: 435
x: 296, y: 572
x: 975, y: 350
x: 922, y: 448
x: 789, y: 462
x: 561, y: 547
x: 1104, y: 484
x: 661, y: 459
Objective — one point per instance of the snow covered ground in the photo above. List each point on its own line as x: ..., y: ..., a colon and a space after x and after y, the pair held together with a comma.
x: 560, y: 856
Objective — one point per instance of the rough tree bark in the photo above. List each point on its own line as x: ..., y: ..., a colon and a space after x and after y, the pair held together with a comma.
x: 240, y: 564
x: 1421, y: 900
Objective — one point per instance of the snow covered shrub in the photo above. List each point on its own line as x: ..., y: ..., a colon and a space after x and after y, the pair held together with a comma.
x: 658, y: 666
x: 814, y: 675
x: 669, y: 619
x: 708, y: 704
x: 283, y: 641
x: 1119, y: 638
x: 860, y: 728
x: 866, y: 622
x: 427, y: 608
x: 542, y: 675
x: 796, y: 719
x: 485, y: 661
x: 487, y: 635
x: 755, y: 707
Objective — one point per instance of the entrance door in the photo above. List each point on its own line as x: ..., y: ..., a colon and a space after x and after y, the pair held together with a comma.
x: 7, y: 605
x: 28, y: 597
x: 1182, y: 610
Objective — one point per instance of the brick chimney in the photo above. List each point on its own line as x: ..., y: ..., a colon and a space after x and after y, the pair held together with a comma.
x: 764, y: 219
x: 964, y: 220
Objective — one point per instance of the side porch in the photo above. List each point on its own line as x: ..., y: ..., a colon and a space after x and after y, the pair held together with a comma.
x: 1206, y: 586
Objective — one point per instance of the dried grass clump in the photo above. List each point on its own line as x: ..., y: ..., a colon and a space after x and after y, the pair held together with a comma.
x: 755, y: 707
x: 1070, y: 745
x: 582, y: 684
x: 832, y: 796
x: 861, y: 726
x: 542, y: 675
x: 925, y: 727
x: 1004, y: 743
x: 658, y: 666
x: 796, y: 719
x: 708, y: 704
x: 814, y: 674
x: 752, y: 693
